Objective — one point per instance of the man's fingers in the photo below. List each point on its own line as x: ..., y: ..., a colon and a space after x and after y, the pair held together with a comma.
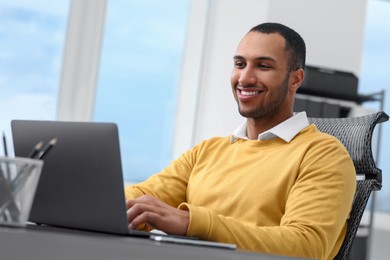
x: 146, y: 199
x: 145, y: 218
x: 139, y: 208
x: 147, y: 210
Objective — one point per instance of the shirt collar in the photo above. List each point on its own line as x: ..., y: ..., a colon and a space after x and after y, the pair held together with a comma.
x: 286, y: 130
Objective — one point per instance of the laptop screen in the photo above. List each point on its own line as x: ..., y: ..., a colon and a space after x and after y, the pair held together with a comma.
x: 81, y: 185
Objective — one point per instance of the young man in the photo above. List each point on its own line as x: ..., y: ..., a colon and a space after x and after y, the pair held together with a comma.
x: 277, y: 185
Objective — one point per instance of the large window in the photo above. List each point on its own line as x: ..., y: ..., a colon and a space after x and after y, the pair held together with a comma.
x: 375, y: 77
x: 31, y: 45
x: 138, y: 79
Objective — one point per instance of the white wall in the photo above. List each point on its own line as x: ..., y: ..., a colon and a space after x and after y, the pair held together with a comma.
x: 379, y: 244
x: 228, y: 22
x: 205, y: 99
x: 333, y: 31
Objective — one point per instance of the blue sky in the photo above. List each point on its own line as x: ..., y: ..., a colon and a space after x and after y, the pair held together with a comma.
x: 32, y: 36
x: 138, y: 79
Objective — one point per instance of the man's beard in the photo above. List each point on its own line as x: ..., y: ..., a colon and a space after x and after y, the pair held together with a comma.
x: 270, y: 107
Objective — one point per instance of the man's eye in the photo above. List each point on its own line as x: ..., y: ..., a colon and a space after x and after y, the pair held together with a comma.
x: 264, y: 66
x: 239, y: 64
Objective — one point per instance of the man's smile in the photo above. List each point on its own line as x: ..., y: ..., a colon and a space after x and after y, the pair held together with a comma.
x: 248, y: 93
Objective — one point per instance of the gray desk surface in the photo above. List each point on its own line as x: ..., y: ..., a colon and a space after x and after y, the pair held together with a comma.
x: 42, y: 243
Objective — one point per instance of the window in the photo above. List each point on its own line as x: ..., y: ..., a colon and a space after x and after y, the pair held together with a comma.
x: 138, y: 80
x: 31, y: 43
x: 375, y: 77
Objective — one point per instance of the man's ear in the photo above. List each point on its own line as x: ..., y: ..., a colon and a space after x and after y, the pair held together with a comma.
x: 296, y: 78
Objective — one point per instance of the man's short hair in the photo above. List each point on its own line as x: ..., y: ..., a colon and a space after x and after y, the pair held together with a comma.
x: 295, y: 45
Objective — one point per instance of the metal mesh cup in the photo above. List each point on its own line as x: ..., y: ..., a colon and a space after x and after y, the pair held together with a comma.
x: 18, y: 182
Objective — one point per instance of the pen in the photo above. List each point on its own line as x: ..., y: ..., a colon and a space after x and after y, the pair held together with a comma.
x: 22, y: 175
x: 25, y: 170
x: 46, y: 149
x: 35, y: 150
x: 5, y: 145
x: 36, y: 153
x: 6, y: 154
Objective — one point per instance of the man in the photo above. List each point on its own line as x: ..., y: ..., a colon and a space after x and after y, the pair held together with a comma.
x: 277, y: 185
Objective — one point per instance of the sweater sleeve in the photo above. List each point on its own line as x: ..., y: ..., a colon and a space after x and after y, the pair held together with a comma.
x: 169, y: 185
x: 314, y: 222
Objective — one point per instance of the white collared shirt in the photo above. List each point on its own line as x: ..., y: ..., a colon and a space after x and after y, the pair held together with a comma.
x: 286, y: 130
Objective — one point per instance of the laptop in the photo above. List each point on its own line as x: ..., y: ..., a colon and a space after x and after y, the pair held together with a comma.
x: 81, y: 184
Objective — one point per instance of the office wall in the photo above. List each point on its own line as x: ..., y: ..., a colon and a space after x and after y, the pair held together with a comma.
x: 333, y: 31
x: 229, y: 21
x: 379, y: 244
x: 205, y: 99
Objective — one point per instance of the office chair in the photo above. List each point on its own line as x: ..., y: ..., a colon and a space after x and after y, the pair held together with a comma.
x: 356, y: 135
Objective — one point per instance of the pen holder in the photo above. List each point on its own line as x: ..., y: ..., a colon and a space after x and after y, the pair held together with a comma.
x: 18, y: 182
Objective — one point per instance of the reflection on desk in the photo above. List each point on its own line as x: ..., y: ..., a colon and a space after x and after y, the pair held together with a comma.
x: 43, y: 242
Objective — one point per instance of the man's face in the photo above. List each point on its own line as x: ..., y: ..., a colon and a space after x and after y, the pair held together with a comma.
x: 260, y: 77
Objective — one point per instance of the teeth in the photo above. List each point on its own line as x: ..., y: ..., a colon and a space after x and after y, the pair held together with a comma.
x: 249, y: 93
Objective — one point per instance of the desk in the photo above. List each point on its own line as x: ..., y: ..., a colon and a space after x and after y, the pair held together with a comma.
x: 35, y: 242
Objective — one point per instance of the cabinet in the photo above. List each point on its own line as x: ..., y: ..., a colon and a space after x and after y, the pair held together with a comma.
x: 320, y: 106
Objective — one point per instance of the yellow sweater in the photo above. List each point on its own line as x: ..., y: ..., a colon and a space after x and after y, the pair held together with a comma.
x: 265, y: 196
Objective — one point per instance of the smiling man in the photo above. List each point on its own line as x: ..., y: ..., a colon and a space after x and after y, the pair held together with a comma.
x: 276, y: 185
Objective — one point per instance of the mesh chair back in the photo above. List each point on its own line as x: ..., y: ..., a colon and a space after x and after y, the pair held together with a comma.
x: 356, y: 135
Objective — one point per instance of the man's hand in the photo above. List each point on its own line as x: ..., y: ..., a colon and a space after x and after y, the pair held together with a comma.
x: 156, y: 214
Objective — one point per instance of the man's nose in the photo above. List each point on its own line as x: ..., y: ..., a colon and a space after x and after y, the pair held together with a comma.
x: 247, y: 77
